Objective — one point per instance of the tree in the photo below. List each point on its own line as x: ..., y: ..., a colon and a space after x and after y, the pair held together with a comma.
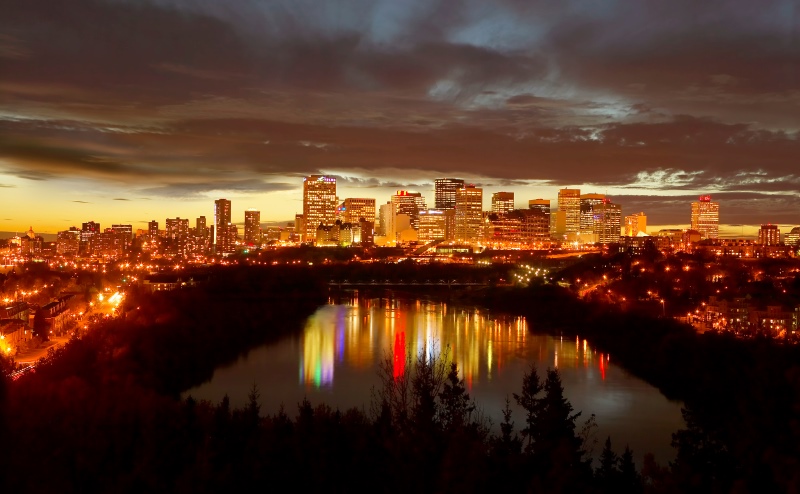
x: 630, y: 480
x: 528, y: 399
x: 456, y: 407
x: 607, y: 472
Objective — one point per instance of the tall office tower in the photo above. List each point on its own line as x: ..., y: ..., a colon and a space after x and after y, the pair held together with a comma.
x: 705, y: 217
x: 607, y: 222
x: 433, y: 225
x: 569, y: 212
x: 793, y: 237
x: 469, y: 213
x: 635, y: 223
x: 353, y: 209
x: 410, y: 204
x: 445, y: 192
x: 319, y: 204
x: 502, y: 202
x: 222, y: 218
x: 252, y: 227
x: 588, y: 202
x: 769, y: 234
x: 386, y: 222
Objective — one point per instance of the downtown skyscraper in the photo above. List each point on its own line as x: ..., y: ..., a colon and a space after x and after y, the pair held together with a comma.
x: 224, y: 242
x: 705, y: 217
x: 469, y: 213
x: 445, y: 192
x: 319, y: 204
x: 252, y: 227
x: 568, y: 217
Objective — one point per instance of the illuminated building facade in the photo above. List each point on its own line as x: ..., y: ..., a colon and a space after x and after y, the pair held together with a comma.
x: 568, y: 218
x: 540, y: 218
x: 68, y: 242
x: 222, y: 227
x: 176, y: 233
x: 319, y: 204
x: 445, y: 192
x: 588, y: 232
x: 435, y: 224
x: 353, y: 209
x: 793, y: 237
x: 252, y: 227
x: 409, y: 204
x: 705, y: 217
x: 125, y: 234
x: 607, y: 222
x: 769, y: 234
x: 502, y: 202
x: 634, y: 224
x: 469, y: 213
x: 89, y: 233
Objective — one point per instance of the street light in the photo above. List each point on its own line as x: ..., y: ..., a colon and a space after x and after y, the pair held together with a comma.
x: 663, y: 310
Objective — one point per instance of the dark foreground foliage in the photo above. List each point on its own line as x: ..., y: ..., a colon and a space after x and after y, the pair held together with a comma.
x: 104, y: 414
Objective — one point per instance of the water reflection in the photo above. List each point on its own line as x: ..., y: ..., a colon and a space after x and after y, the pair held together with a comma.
x: 357, y: 332
x: 335, y: 358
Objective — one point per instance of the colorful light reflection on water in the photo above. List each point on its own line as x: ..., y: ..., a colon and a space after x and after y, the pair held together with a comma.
x: 336, y: 356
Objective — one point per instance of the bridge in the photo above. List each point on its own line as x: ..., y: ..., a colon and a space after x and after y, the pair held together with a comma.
x: 402, y: 283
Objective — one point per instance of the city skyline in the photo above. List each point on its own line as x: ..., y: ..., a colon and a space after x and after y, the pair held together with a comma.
x: 98, y: 124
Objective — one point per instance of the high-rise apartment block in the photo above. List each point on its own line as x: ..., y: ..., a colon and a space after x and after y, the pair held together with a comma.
x: 635, y: 223
x: 319, y: 204
x: 252, y: 227
x: 769, y: 234
x: 445, y: 192
x: 705, y: 217
x: 469, y: 213
x: 502, y: 202
x: 222, y: 227
x: 68, y: 242
x: 176, y: 233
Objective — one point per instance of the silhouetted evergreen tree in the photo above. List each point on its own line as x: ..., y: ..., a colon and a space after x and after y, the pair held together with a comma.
x: 456, y: 407
x: 630, y: 481
x: 529, y: 401
x: 607, y: 473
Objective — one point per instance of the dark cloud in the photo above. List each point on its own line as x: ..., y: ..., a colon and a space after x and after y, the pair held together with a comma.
x: 121, y: 199
x: 82, y: 202
x: 249, y: 96
x: 7, y: 186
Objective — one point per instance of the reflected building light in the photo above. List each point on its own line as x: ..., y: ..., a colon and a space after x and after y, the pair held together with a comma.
x: 316, y: 362
x: 399, y: 355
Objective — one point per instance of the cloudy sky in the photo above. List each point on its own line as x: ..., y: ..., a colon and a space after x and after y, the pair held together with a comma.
x: 122, y: 111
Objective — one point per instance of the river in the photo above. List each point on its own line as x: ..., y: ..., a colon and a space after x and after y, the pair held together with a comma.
x: 336, y: 356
